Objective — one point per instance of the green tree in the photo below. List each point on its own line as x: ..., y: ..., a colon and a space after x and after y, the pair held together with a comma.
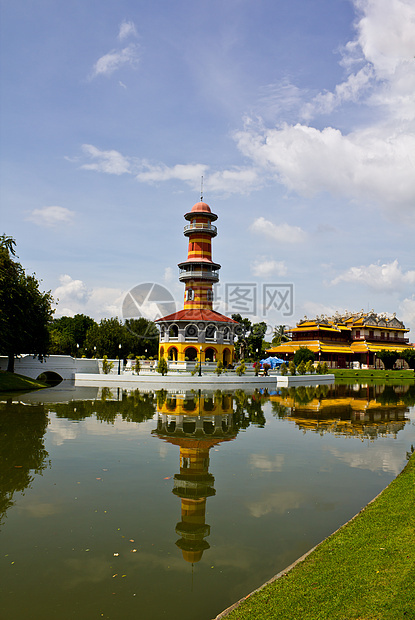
x: 279, y: 335
x: 68, y: 334
x: 142, y: 337
x: 301, y: 368
x: 25, y: 312
x: 309, y: 367
x: 241, y: 369
x: 136, y: 337
x: 388, y: 358
x: 250, y: 343
x: 106, y: 365
x: 303, y: 354
x: 409, y: 356
x: 162, y: 367
x: 219, y: 368
x: 255, y: 340
x: 291, y: 367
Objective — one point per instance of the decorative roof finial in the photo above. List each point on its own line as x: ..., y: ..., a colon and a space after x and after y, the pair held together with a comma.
x: 201, y: 189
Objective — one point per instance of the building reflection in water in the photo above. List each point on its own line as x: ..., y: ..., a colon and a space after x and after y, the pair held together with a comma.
x: 359, y: 410
x: 195, y: 422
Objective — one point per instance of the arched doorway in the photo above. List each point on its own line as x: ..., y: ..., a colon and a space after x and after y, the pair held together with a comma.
x: 191, y: 354
x: 172, y: 354
x: 226, y: 357
x: 161, y: 352
x: 210, y: 354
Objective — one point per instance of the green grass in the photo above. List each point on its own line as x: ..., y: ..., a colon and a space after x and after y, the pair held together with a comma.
x: 364, y: 571
x: 11, y: 382
x: 377, y: 374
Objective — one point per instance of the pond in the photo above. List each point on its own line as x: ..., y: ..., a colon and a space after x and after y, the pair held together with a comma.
x: 126, y: 504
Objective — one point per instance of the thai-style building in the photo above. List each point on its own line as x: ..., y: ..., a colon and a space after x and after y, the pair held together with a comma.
x: 198, y: 333
x: 346, y: 340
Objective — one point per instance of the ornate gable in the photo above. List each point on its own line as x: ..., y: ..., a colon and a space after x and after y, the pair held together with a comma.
x: 395, y: 323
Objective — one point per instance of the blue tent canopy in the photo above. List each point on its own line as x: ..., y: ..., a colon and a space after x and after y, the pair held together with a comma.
x: 272, y: 361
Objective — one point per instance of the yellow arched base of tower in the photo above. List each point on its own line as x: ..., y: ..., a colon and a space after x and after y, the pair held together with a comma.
x: 205, y: 352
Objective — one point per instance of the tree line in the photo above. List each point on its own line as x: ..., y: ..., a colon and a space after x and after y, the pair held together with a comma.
x: 27, y: 324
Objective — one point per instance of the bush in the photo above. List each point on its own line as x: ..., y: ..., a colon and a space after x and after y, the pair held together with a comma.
x: 265, y: 368
x: 283, y: 369
x: 319, y: 369
x: 409, y: 356
x: 309, y: 367
x: 106, y: 365
x: 303, y: 355
x: 257, y: 367
x: 291, y: 367
x: 301, y: 368
x: 388, y: 358
x: 219, y: 368
x: 162, y: 367
x: 137, y: 365
x: 325, y: 369
x: 241, y: 369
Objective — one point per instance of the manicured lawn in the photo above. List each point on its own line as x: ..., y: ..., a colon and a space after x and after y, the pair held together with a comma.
x: 365, y: 571
x: 376, y: 374
x: 11, y: 382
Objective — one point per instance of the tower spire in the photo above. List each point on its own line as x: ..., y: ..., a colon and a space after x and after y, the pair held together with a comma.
x: 201, y: 189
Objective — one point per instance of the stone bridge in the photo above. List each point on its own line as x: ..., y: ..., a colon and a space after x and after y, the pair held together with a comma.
x: 55, y: 367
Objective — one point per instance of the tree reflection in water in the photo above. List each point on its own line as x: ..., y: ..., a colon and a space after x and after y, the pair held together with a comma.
x: 22, y: 450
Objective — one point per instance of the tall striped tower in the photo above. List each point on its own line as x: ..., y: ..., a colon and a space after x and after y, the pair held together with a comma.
x: 199, y: 272
x: 198, y: 333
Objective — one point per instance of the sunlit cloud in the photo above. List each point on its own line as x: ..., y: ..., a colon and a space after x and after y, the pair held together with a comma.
x: 51, y: 216
x: 388, y: 276
x: 264, y: 268
x: 74, y: 297
x: 111, y: 162
x: 283, y: 233
x: 372, y: 164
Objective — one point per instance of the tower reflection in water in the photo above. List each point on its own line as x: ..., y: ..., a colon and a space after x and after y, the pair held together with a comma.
x: 195, y: 422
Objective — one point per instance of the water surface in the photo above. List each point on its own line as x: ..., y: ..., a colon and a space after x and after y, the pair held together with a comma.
x: 117, y: 504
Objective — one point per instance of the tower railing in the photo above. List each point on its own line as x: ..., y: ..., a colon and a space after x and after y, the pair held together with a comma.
x: 184, y: 274
x: 207, y: 226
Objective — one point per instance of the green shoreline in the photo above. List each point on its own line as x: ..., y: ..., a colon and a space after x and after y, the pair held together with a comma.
x: 363, y: 571
x: 12, y: 382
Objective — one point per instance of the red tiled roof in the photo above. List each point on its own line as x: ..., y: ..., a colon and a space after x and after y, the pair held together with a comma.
x: 197, y: 314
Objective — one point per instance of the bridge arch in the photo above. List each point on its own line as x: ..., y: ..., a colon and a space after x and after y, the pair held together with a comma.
x: 50, y: 377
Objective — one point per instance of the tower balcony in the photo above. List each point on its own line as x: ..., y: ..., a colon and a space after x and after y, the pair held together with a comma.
x: 198, y: 274
x: 200, y: 227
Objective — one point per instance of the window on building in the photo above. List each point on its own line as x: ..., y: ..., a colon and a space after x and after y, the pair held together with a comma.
x: 209, y: 295
x: 173, y: 331
x: 190, y: 294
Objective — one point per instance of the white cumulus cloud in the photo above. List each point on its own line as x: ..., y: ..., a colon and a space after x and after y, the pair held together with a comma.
x: 74, y: 297
x: 266, y: 267
x: 51, y: 216
x: 111, y: 162
x: 385, y: 277
x: 282, y: 233
x: 373, y: 163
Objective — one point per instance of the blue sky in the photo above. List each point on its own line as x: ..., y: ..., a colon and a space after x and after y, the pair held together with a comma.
x: 299, y: 115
